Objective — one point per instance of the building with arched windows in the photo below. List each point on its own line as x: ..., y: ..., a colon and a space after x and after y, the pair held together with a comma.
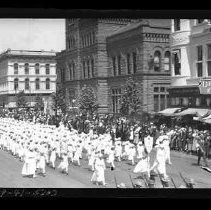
x: 33, y: 72
x: 105, y: 52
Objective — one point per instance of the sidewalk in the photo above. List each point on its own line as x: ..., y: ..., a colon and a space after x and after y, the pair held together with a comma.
x: 183, y: 154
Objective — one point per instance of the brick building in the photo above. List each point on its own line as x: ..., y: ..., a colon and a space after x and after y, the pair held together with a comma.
x: 103, y: 53
x: 33, y: 72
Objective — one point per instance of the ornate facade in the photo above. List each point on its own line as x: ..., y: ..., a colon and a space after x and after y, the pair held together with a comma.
x: 103, y: 53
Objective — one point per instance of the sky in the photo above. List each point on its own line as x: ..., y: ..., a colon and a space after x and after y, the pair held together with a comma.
x: 32, y: 34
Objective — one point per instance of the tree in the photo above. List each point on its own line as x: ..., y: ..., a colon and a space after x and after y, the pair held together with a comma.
x: 87, y: 101
x: 39, y: 106
x: 131, y: 103
x: 21, y: 100
x: 58, y: 100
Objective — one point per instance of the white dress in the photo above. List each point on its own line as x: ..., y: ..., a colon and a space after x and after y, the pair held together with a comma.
x: 29, y: 166
x: 131, y: 153
x: 42, y: 162
x: 53, y: 156
x: 98, y: 175
x: 142, y: 166
x: 64, y: 163
x: 160, y: 161
x: 110, y: 158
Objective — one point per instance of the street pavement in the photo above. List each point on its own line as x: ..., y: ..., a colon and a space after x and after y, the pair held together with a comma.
x: 79, y: 176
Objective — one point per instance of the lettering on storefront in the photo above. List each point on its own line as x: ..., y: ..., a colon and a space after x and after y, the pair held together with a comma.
x: 205, y: 86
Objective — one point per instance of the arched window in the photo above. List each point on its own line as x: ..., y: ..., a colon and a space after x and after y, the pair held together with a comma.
x: 37, y: 84
x: 15, y: 84
x: 47, y: 68
x: 167, y: 64
x: 26, y: 67
x: 15, y: 68
x: 47, y: 84
x: 27, y: 84
x: 157, y: 60
x: 37, y: 68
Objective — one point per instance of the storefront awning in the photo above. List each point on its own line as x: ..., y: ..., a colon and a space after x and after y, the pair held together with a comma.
x: 207, y: 121
x: 168, y: 111
x: 194, y: 111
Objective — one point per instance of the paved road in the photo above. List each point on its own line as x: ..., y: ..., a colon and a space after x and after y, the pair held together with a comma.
x: 79, y: 177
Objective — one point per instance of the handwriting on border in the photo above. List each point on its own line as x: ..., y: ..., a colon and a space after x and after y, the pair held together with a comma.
x: 28, y: 193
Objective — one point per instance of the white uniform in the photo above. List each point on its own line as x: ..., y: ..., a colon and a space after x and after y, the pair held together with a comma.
x: 98, y: 175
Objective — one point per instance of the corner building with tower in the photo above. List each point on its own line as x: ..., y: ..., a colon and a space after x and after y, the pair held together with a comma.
x: 104, y: 53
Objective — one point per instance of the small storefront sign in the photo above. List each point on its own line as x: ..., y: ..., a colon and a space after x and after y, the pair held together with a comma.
x: 205, y: 86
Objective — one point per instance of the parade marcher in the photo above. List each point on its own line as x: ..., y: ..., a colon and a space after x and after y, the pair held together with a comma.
x: 29, y: 167
x: 159, y: 164
x: 143, y: 165
x: 53, y: 157
x: 98, y: 176
x: 64, y: 163
x: 148, y: 143
x: 118, y: 150
x: 110, y: 159
x: 132, y: 153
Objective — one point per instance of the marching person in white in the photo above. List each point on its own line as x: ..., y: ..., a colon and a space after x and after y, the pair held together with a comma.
x: 118, y: 150
x: 64, y: 164
x: 167, y: 148
x: 53, y: 157
x: 160, y: 160
x: 142, y: 166
x: 140, y: 149
x: 42, y: 163
x: 98, y: 176
x: 29, y: 167
x: 148, y: 143
x: 110, y: 159
x: 132, y: 153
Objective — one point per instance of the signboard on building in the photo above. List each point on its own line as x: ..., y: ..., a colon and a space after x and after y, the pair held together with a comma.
x: 205, y: 86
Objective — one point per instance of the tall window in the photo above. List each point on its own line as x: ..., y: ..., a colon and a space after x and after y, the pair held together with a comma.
x: 47, y: 68
x: 88, y: 73
x: 73, y: 70
x: 177, y: 62
x: 199, y: 63
x: 37, y: 68
x: 156, y: 103
x: 114, y: 65
x: 84, y: 70
x: 15, y: 68
x: 176, y: 24
x: 161, y: 98
x: 26, y: 67
x: 167, y: 63
x: 47, y: 84
x: 119, y: 65
x: 157, y: 60
x: 128, y: 64
x: 70, y: 71
x: 37, y: 84
x: 116, y: 100
x: 92, y: 67
x: 134, y: 63
x: 15, y: 84
x: 209, y: 59
x: 27, y: 84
